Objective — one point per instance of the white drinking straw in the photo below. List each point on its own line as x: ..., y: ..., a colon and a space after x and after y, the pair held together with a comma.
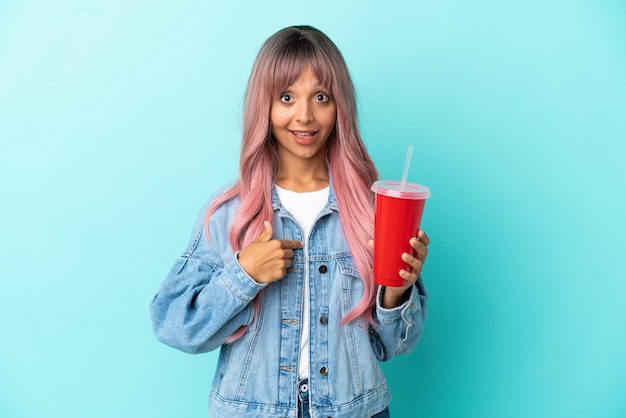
x: 407, y: 163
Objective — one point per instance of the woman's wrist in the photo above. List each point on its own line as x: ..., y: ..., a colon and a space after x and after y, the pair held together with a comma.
x: 394, y: 296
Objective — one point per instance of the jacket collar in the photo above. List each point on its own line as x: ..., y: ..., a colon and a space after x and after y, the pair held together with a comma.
x: 332, y: 201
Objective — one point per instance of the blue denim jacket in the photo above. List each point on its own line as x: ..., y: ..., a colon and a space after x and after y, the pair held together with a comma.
x: 207, y: 296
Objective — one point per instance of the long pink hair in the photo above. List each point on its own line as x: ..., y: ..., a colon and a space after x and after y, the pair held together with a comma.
x: 280, y: 61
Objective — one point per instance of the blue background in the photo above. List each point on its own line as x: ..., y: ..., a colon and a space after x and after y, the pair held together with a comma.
x: 118, y: 119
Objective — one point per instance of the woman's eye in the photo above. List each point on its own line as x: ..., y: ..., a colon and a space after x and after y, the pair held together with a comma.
x: 285, y: 98
x: 322, y: 98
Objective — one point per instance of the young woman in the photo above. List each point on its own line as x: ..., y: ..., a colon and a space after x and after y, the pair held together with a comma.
x: 278, y: 272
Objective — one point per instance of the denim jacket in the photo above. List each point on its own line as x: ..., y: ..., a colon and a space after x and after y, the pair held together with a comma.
x: 207, y: 296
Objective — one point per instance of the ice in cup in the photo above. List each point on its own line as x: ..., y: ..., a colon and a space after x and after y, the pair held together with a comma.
x: 397, y: 217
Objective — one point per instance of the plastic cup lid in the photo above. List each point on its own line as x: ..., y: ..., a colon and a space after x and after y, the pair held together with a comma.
x: 391, y: 188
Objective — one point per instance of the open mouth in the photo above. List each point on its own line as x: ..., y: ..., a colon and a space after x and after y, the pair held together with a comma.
x: 304, y: 134
x: 304, y: 137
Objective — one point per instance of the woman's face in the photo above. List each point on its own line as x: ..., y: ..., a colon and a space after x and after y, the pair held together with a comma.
x: 302, y: 118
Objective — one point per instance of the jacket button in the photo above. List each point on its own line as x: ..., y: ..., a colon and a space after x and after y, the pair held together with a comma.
x: 323, y: 320
x: 323, y: 269
x: 324, y: 371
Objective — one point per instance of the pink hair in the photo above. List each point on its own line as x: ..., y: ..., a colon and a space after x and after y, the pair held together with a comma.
x: 279, y: 63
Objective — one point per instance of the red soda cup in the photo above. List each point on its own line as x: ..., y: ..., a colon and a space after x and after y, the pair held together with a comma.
x: 397, y: 216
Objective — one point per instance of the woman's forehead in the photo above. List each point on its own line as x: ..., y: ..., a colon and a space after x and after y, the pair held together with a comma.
x: 287, y: 74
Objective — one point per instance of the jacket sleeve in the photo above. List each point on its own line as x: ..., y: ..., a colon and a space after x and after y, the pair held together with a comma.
x: 203, y: 299
x: 398, y: 330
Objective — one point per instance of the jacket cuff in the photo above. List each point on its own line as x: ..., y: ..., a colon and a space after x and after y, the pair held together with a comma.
x: 238, y: 282
x: 404, y: 311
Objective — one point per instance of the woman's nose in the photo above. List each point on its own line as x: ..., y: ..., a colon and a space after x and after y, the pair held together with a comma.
x: 304, y: 112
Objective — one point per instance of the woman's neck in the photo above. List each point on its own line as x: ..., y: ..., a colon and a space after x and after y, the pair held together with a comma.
x: 302, y: 180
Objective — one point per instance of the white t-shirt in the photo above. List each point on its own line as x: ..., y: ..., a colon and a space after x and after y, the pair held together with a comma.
x: 304, y: 207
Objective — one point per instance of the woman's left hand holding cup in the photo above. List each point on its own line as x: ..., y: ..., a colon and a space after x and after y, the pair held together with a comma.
x: 395, y: 296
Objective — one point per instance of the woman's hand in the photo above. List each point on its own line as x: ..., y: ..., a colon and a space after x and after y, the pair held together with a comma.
x: 395, y: 296
x: 266, y: 260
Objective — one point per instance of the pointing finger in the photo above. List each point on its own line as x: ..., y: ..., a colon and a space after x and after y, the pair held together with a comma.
x: 291, y: 244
